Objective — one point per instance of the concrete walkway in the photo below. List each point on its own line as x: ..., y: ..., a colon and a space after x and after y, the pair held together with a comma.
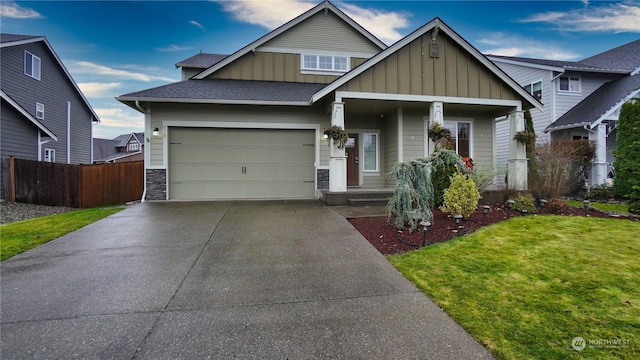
x: 219, y: 280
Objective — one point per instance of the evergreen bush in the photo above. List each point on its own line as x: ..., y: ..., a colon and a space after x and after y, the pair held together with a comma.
x: 461, y: 197
x: 412, y: 198
x: 525, y: 202
x: 444, y: 164
x: 627, y: 164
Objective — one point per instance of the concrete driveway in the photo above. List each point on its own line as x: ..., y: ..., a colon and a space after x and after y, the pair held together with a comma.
x: 218, y: 280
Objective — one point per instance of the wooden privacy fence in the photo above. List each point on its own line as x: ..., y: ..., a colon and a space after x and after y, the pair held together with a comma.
x: 78, y: 186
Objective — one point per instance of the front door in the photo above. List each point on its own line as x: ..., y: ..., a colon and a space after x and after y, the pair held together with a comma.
x: 351, y: 150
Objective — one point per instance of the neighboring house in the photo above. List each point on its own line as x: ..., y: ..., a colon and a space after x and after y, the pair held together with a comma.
x: 124, y: 148
x: 250, y: 125
x: 581, y: 99
x: 44, y: 115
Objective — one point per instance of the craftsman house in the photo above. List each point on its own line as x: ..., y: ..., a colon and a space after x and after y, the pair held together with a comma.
x: 581, y: 100
x: 124, y: 148
x: 45, y: 116
x: 251, y: 125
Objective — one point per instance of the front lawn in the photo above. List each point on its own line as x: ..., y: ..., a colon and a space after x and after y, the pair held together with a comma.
x: 21, y: 236
x: 526, y: 287
x: 608, y: 207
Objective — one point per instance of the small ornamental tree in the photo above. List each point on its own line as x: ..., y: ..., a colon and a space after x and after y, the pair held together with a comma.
x: 444, y: 164
x: 532, y: 166
x: 626, y: 183
x: 461, y: 197
x: 412, y: 198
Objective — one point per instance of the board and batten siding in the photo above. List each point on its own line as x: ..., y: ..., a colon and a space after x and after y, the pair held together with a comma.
x: 271, y: 66
x: 53, y: 90
x: 236, y: 114
x: 411, y: 70
x: 323, y: 33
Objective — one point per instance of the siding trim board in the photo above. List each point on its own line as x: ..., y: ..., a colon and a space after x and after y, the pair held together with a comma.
x: 426, y: 98
x: 28, y: 116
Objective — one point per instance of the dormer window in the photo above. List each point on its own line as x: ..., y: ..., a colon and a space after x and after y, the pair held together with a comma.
x: 31, y: 65
x: 325, y: 63
x: 134, y: 147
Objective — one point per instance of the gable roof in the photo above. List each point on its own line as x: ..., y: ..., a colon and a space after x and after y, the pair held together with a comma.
x: 596, y: 107
x: 7, y: 40
x: 227, y: 91
x: 324, y: 6
x: 436, y: 25
x: 107, y: 149
x: 201, y: 60
x: 28, y: 116
x: 124, y: 139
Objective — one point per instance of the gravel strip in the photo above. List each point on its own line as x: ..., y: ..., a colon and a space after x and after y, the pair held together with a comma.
x: 12, y: 211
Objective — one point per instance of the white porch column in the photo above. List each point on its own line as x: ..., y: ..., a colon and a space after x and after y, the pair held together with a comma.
x: 337, y: 157
x: 599, y: 169
x: 436, y: 115
x: 517, y: 153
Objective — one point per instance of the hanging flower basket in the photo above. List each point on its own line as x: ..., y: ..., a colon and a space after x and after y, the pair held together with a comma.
x: 338, y: 134
x: 524, y: 137
x: 437, y: 132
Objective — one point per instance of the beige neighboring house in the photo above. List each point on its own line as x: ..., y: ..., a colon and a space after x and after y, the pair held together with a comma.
x: 124, y: 148
x: 250, y: 125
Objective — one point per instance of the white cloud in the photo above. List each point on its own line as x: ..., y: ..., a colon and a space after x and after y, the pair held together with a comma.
x: 86, y: 67
x: 117, y: 121
x: 270, y: 14
x: 12, y: 10
x: 511, y: 45
x: 197, y: 24
x: 174, y: 48
x: 99, y: 90
x: 617, y: 18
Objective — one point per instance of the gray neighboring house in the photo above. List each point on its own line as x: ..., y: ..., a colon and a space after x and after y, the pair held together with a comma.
x: 124, y: 148
x: 44, y: 115
x: 581, y: 99
x: 251, y: 125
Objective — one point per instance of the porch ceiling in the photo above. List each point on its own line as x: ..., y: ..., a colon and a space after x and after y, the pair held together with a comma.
x: 387, y: 107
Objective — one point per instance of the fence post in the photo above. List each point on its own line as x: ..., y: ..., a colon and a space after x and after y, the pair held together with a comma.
x: 12, y: 176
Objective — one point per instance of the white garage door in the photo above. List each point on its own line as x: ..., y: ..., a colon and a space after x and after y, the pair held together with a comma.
x: 215, y: 163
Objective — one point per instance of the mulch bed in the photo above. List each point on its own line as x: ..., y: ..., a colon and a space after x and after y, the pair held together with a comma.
x: 387, y: 239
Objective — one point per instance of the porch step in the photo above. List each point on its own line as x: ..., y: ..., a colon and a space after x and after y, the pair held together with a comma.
x: 368, y: 202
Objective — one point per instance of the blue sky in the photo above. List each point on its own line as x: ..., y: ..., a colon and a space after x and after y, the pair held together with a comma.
x: 115, y: 47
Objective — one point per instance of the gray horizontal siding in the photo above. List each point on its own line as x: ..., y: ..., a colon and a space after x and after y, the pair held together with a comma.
x: 18, y: 138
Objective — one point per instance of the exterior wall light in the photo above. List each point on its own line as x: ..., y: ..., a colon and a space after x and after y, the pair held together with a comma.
x: 156, y: 132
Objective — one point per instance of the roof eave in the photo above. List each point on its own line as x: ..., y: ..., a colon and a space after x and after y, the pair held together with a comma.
x: 552, y: 128
x: 272, y: 34
x: 130, y: 101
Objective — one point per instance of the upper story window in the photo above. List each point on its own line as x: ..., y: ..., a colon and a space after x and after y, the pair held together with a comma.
x: 325, y: 63
x: 570, y: 84
x: 31, y: 65
x: 535, y: 89
x: 134, y: 146
x: 39, y: 111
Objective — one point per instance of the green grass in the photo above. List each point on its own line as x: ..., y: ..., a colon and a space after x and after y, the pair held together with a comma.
x: 21, y: 236
x: 527, y: 286
x: 614, y: 208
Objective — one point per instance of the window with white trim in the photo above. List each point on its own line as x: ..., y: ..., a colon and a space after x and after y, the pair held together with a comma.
x: 39, y: 111
x: 535, y: 89
x: 316, y: 62
x: 371, y: 156
x: 569, y: 84
x: 49, y: 155
x: 31, y: 65
x: 460, y: 136
x: 134, y: 146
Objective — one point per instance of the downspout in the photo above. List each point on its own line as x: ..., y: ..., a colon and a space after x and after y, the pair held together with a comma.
x: 68, y: 132
x: 146, y: 133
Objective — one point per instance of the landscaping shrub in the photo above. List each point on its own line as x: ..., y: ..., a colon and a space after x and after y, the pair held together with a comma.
x: 556, y: 206
x: 600, y: 192
x: 484, y: 173
x: 525, y: 202
x: 412, y: 198
x: 461, y: 197
x: 562, y: 166
x: 444, y: 164
x: 627, y: 179
x: 634, y: 206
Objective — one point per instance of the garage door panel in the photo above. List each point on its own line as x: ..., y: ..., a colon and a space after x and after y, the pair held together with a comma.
x: 241, y: 163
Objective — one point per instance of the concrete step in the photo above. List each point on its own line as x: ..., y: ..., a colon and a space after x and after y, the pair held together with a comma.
x: 368, y: 202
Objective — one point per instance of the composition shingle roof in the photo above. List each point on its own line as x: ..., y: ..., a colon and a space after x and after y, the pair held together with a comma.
x: 201, y: 60
x: 625, y: 57
x: 7, y: 38
x: 226, y: 90
x: 594, y: 106
x: 568, y: 65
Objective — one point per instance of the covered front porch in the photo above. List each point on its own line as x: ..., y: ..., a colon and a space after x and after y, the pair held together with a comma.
x: 384, y: 130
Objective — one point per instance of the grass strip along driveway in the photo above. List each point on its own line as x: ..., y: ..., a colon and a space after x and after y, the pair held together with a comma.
x: 525, y: 288
x: 21, y: 236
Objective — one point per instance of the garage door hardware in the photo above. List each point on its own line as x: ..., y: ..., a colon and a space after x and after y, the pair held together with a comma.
x: 244, y: 170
